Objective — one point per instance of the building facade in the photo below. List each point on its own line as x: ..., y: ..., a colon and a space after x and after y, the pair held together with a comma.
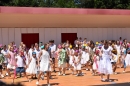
x: 59, y: 24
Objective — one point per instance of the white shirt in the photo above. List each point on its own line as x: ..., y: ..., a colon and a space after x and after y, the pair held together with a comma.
x: 30, y: 53
x: 53, y: 49
x: 20, y: 62
x: 37, y: 53
x: 5, y: 52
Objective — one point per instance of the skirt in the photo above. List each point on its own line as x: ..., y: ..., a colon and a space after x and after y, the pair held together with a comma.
x: 32, y: 69
x: 45, y: 67
x: 77, y: 67
x: 105, y: 65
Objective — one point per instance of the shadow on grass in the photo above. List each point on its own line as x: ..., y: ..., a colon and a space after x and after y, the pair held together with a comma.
x: 115, y: 84
x: 5, y: 84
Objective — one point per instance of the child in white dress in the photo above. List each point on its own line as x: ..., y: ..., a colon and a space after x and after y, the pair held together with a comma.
x: 77, y: 64
x: 71, y: 63
x: 32, y: 67
x: 95, y: 62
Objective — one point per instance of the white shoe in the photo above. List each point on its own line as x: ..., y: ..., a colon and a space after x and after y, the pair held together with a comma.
x: 7, y: 74
x: 2, y: 76
x: 115, y: 73
x: 29, y: 80
x: 59, y: 74
x: 87, y: 69
x: 77, y: 75
x: 63, y: 74
x: 109, y: 80
x: 48, y: 85
x: 93, y: 74
x: 103, y: 80
x: 123, y: 71
x: 37, y: 83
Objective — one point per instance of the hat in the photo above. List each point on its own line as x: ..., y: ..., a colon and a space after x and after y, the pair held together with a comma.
x: 34, y: 53
x: 42, y: 46
x: 97, y: 43
x: 70, y: 46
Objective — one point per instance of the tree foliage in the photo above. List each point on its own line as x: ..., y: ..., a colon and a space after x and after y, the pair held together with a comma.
x: 104, y: 4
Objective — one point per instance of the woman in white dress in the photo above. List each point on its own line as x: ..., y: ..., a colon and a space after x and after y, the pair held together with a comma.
x: 45, y: 65
x: 127, y: 58
x: 105, y: 66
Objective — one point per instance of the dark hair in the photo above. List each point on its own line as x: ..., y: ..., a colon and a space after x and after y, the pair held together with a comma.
x: 45, y: 46
x: 5, y: 46
x: 105, y: 42
x: 32, y: 45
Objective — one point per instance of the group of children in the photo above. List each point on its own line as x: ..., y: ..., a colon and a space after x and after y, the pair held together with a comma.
x: 100, y: 58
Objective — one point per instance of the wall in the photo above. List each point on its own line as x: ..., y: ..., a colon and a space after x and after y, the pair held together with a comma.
x: 96, y: 34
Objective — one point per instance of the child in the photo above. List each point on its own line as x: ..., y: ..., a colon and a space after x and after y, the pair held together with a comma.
x: 21, y: 64
x: 95, y: 62
x: 77, y: 64
x: 32, y: 67
x: 62, y: 60
x: 1, y: 62
x: 71, y: 60
x: 11, y: 62
x: 5, y: 53
x: 114, y: 60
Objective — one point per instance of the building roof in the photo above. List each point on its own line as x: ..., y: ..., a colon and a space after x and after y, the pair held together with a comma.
x: 63, y: 17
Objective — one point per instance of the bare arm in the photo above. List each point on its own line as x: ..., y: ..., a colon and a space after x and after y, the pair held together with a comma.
x: 39, y: 57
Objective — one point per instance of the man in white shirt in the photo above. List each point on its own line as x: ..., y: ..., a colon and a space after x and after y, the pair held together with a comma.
x: 53, y: 49
x: 20, y: 61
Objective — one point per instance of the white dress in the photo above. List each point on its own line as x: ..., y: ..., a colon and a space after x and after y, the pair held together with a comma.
x: 71, y: 57
x: 105, y: 65
x: 30, y: 52
x: 85, y: 57
x: 45, y: 61
x: 127, y: 60
x: 96, y: 62
x: 32, y: 69
x: 78, y: 65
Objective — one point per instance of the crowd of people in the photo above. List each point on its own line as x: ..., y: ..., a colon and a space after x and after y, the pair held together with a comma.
x: 101, y: 58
